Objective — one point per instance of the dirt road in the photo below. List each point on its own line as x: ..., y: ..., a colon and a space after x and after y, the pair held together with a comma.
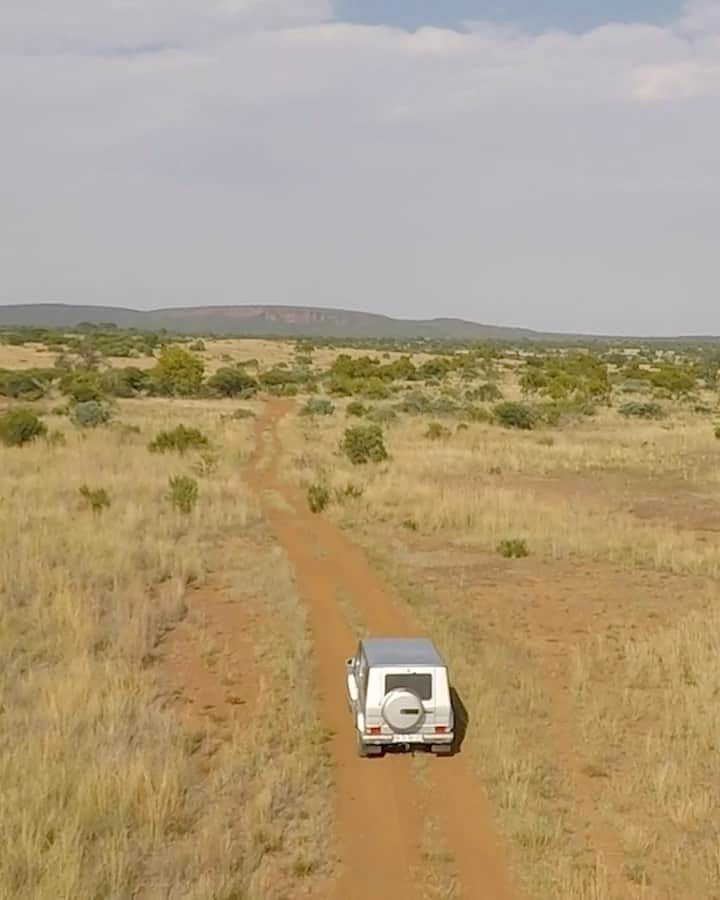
x: 380, y: 803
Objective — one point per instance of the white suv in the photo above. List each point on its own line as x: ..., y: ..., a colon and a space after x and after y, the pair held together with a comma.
x: 399, y: 695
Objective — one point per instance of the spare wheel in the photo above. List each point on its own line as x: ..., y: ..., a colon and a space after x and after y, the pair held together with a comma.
x: 403, y: 711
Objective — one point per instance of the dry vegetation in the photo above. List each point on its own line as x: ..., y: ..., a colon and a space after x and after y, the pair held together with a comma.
x: 100, y: 791
x: 589, y: 669
x: 592, y: 717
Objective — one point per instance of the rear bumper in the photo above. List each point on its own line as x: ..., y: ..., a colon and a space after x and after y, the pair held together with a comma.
x: 412, y: 739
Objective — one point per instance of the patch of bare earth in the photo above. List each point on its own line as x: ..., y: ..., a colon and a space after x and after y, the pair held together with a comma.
x: 260, y: 776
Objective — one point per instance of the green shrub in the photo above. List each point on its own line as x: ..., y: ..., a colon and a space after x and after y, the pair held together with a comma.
x: 317, y: 406
x: 364, y: 443
x: 242, y: 413
x: 90, y: 414
x: 232, y: 382
x: 318, y: 497
x: 180, y: 439
x: 437, y: 432
x: 183, y: 493
x: 20, y: 426
x: 645, y: 410
x: 487, y: 393
x: 355, y: 408
x: 177, y: 373
x: 28, y: 385
x: 82, y: 387
x: 97, y: 499
x: 127, y: 382
x: 512, y: 414
x: 513, y: 548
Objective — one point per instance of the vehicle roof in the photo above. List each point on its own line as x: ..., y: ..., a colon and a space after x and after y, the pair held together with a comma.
x: 401, y: 652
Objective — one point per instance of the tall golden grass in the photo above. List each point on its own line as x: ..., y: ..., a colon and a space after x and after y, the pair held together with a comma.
x: 96, y: 781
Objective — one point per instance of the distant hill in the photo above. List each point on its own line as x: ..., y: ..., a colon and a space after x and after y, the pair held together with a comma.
x: 259, y: 321
x: 287, y: 321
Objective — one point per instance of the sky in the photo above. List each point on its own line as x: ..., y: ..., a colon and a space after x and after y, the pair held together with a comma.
x: 549, y: 165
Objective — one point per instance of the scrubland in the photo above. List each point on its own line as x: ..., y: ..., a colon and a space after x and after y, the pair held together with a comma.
x: 592, y: 717
x: 567, y: 567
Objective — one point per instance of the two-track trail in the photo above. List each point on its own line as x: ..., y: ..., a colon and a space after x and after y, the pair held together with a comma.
x: 379, y: 804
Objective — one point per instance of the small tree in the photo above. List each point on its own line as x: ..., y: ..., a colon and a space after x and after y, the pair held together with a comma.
x: 232, y: 382
x: 178, y: 373
x: 364, y: 443
x: 20, y: 426
x: 515, y: 415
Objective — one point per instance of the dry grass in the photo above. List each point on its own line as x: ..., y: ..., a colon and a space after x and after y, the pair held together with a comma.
x: 453, y: 488
x: 96, y: 779
x: 641, y: 727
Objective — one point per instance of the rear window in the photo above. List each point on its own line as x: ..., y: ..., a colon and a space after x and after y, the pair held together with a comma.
x: 420, y: 684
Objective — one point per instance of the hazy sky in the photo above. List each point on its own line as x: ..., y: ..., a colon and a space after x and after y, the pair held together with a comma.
x: 553, y: 165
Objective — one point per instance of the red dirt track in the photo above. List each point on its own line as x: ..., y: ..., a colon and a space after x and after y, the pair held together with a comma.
x: 379, y: 803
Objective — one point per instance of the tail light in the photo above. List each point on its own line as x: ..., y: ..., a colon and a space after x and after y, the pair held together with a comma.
x: 373, y: 729
x: 440, y: 729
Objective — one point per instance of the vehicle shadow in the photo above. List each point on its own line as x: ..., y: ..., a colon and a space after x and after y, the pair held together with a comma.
x: 462, y: 720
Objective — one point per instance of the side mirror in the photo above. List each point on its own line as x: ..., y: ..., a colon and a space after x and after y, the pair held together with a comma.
x: 349, y: 661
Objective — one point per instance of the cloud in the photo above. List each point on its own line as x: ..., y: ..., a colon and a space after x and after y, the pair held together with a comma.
x: 227, y: 151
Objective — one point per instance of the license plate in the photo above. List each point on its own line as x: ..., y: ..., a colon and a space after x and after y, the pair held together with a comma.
x: 407, y: 739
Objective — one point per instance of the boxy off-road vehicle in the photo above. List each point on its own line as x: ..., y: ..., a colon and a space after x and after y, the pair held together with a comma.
x: 399, y: 694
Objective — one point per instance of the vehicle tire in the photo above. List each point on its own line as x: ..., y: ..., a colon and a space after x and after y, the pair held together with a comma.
x: 442, y: 749
x: 403, y: 711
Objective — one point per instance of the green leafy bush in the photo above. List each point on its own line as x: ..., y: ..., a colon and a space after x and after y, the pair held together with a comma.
x: 97, y: 499
x: 512, y: 414
x: 90, y: 414
x: 318, y: 497
x: 317, y: 406
x: 513, y: 548
x: 364, y: 443
x: 642, y: 410
x: 178, y: 373
x: 82, y: 386
x: 179, y: 439
x: 232, y: 382
x: 183, y: 493
x: 20, y: 426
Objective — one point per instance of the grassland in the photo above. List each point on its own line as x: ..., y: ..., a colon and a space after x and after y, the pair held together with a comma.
x: 588, y: 667
x: 102, y: 795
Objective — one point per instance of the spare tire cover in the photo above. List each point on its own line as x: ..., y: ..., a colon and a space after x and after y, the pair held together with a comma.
x: 403, y: 711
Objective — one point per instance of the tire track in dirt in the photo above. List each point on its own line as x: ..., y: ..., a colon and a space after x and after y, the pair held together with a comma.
x: 378, y: 803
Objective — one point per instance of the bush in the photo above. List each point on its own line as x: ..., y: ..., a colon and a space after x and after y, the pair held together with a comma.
x: 183, y: 493
x: 356, y: 409
x: 487, y: 393
x: 512, y: 414
x: 180, y: 439
x: 90, y: 414
x: 317, y: 406
x: 513, y: 548
x: 364, y: 443
x: 242, y: 413
x: 436, y: 432
x: 20, y: 426
x: 318, y: 497
x: 645, y: 410
x: 178, y: 373
x: 232, y: 382
x: 97, y: 499
x: 82, y: 387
